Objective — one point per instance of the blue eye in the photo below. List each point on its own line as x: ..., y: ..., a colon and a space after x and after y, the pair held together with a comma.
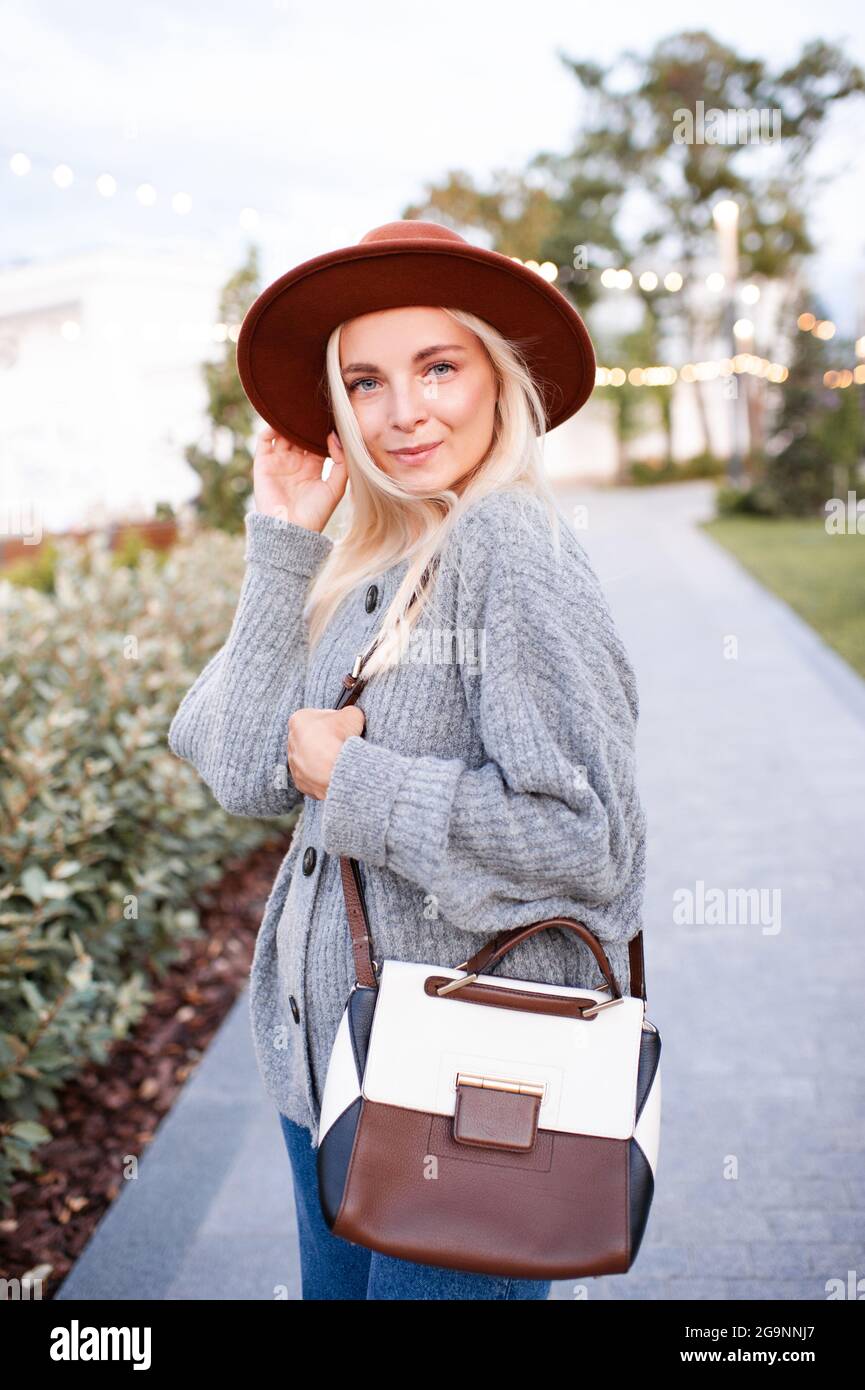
x: 362, y: 379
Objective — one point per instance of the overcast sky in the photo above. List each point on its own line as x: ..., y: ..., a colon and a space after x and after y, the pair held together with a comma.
x: 328, y: 118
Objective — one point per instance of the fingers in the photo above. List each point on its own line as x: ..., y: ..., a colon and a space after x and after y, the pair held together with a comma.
x: 271, y: 441
x: 274, y: 442
x: 354, y: 718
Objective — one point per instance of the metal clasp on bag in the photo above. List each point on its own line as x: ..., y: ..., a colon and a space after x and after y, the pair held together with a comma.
x: 456, y: 984
x: 376, y: 970
x: 606, y: 1004
x: 501, y: 1083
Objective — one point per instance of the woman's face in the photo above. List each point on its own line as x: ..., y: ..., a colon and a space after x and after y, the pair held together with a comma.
x: 415, y: 377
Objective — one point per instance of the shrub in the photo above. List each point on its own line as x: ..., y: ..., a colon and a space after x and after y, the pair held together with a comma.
x: 701, y: 466
x: 105, y: 836
x: 756, y: 500
x: 36, y: 572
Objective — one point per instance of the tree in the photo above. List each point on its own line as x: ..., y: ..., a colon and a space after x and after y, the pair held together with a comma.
x: 820, y: 437
x: 635, y: 404
x: 636, y: 105
x: 224, y: 461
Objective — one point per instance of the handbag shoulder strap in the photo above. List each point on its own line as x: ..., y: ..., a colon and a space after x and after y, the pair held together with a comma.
x: 358, y: 916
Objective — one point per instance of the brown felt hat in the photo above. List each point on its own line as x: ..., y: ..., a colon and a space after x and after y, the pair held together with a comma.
x: 283, y: 337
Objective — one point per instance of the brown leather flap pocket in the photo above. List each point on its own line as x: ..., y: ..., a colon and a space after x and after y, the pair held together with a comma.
x: 495, y: 1119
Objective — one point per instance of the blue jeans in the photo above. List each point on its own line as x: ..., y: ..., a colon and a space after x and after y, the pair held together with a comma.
x: 334, y: 1268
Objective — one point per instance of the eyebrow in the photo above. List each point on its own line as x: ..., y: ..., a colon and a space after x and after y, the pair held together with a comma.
x: 418, y: 357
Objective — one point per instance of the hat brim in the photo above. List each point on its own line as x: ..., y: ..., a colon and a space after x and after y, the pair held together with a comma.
x: 282, y: 340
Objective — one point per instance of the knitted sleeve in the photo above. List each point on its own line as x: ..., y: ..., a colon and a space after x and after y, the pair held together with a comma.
x: 553, y: 811
x: 232, y: 723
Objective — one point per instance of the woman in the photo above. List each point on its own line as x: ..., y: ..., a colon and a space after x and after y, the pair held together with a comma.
x: 489, y: 779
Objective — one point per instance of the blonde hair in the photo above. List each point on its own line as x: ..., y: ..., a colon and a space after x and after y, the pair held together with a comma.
x: 388, y: 524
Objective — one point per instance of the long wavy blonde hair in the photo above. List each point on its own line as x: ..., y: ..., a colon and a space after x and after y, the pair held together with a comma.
x: 388, y: 524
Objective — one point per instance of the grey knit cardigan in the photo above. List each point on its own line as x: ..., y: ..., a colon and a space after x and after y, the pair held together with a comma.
x: 494, y: 783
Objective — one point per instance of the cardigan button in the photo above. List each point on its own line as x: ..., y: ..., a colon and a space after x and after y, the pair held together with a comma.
x: 371, y: 597
x: 309, y: 859
x: 294, y: 1009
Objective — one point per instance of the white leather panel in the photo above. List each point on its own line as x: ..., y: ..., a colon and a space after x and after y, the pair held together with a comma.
x: 341, y: 1085
x: 648, y: 1130
x: 419, y: 1042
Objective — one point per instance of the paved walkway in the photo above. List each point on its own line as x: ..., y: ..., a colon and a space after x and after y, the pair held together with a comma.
x: 753, y: 777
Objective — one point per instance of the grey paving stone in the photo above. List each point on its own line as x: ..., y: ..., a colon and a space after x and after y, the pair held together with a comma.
x: 243, y: 1268
x: 778, y: 1291
x: 826, y: 1258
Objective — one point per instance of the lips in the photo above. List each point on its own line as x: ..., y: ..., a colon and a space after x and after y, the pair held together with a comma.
x: 417, y: 455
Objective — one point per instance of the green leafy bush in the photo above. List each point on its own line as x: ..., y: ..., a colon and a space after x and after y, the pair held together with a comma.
x: 36, y: 572
x: 105, y: 836
x: 701, y: 466
x: 756, y: 500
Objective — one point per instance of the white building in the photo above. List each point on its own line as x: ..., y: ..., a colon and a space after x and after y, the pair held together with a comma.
x: 101, y: 385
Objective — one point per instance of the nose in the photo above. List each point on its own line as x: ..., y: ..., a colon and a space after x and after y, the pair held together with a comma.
x: 409, y: 407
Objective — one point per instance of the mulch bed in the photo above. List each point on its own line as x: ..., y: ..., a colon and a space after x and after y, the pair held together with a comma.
x: 112, y: 1110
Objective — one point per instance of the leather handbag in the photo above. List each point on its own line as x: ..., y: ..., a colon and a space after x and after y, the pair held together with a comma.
x: 489, y: 1124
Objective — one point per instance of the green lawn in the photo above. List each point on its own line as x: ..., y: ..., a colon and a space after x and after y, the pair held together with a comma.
x: 821, y: 576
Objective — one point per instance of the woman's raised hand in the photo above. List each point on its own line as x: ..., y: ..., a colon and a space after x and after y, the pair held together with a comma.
x: 287, y: 481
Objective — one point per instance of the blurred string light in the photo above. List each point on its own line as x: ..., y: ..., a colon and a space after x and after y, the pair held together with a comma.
x: 825, y: 329
x: 821, y: 328
x: 548, y: 270
x: 72, y: 332
x: 621, y: 279
x: 107, y: 186
x: 612, y: 279
x: 648, y: 281
x: 837, y: 381
x: 744, y: 362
